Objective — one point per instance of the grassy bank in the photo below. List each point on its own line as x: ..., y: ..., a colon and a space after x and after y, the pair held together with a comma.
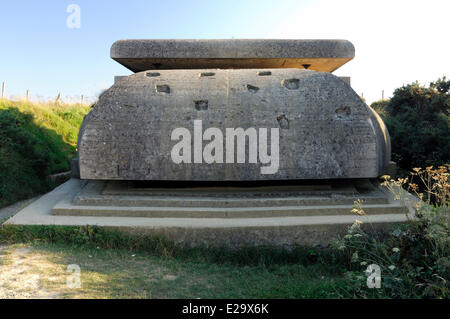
x: 36, y: 140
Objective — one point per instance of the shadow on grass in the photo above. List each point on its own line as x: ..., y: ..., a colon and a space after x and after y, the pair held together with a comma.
x: 93, y: 237
x: 119, y: 273
x: 28, y: 154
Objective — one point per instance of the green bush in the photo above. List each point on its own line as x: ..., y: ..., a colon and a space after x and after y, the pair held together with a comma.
x: 414, y: 258
x: 418, y: 121
x: 380, y: 107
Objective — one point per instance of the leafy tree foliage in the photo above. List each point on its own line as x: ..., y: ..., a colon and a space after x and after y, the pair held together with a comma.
x: 380, y: 107
x: 417, y: 118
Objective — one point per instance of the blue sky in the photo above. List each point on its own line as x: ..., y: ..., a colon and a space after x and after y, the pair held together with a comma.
x: 396, y: 42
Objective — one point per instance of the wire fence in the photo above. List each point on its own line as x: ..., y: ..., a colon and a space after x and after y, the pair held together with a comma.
x: 58, y: 99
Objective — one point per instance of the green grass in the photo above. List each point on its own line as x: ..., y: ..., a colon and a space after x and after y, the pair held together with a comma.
x: 120, y: 273
x: 119, y: 265
x: 92, y: 236
x: 148, y: 275
x: 36, y: 140
x: 114, y: 265
x: 63, y: 119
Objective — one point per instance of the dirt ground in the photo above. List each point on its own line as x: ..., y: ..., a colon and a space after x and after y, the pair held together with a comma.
x: 17, y: 278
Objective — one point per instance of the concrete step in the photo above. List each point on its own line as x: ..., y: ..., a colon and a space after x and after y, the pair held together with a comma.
x: 231, y: 232
x: 224, y: 202
x: 130, y: 189
x: 66, y: 208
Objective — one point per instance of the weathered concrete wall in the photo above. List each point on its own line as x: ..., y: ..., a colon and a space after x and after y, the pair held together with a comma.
x: 326, y: 130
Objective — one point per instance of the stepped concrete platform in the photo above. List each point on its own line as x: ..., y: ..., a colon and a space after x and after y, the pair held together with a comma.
x: 222, y: 202
x: 203, y: 222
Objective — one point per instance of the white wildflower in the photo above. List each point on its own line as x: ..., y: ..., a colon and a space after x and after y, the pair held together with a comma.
x: 357, y: 223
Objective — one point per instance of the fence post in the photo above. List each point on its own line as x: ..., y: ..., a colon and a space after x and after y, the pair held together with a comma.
x: 82, y: 99
x: 28, y: 94
x: 3, y: 90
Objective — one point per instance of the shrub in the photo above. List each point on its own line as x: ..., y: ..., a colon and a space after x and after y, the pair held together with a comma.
x: 414, y: 258
x: 418, y: 121
x: 380, y: 107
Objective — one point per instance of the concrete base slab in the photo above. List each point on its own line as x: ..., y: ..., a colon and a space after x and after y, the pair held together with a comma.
x: 232, y: 232
x: 126, y: 199
x: 8, y: 211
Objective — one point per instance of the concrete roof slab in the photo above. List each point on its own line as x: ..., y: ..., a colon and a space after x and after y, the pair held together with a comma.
x: 148, y: 54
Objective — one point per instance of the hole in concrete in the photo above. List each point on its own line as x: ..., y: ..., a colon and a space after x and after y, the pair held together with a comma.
x: 252, y: 88
x: 203, y: 74
x: 291, y: 84
x: 283, y: 121
x: 201, y: 105
x: 264, y: 73
x: 343, y: 111
x: 164, y: 88
x: 152, y: 74
x: 306, y: 66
